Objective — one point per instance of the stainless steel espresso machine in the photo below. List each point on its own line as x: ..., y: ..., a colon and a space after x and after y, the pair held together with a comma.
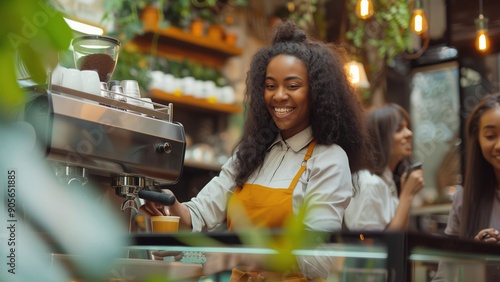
x: 132, y: 143
x: 138, y: 149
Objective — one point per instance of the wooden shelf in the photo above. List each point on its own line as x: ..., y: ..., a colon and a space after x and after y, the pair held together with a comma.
x: 190, y: 102
x: 175, y: 44
x: 175, y: 33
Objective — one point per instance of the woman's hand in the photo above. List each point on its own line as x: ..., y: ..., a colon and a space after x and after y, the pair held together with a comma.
x: 154, y: 209
x: 490, y: 235
x: 411, y: 184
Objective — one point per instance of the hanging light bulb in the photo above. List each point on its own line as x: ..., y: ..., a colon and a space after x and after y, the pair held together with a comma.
x: 482, y: 40
x: 364, y: 9
x: 357, y: 75
x: 418, y: 22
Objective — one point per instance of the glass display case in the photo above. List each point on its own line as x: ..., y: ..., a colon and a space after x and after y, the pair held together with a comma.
x: 350, y: 256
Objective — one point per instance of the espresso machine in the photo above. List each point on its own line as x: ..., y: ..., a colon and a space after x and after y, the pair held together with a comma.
x: 136, y: 147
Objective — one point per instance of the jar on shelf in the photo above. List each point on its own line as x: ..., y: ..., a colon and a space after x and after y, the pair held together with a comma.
x: 197, y: 27
x: 216, y: 32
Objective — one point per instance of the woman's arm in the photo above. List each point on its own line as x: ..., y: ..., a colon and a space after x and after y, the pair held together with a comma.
x: 409, y: 188
x: 205, y: 211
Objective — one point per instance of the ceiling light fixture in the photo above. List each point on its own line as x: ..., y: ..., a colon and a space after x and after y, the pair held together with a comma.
x: 357, y: 75
x: 482, y: 40
x: 418, y: 22
x: 364, y: 9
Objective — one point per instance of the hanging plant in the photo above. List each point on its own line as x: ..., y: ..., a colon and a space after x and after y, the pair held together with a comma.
x: 387, y: 31
x: 379, y: 39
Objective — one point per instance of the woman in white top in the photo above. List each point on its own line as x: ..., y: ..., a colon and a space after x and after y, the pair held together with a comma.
x: 383, y: 204
x: 304, y: 134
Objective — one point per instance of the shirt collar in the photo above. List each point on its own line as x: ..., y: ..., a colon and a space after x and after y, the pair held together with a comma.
x: 296, y: 142
x: 387, y: 176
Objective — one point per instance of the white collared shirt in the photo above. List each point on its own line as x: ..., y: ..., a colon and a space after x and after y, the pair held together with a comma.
x: 375, y: 204
x: 325, y: 184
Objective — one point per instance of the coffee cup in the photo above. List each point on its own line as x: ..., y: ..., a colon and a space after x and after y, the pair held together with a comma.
x: 72, y: 78
x: 131, y: 88
x: 57, y: 75
x: 90, y: 81
x: 165, y: 224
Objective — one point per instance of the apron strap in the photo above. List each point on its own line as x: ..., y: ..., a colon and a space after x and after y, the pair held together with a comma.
x: 303, y: 167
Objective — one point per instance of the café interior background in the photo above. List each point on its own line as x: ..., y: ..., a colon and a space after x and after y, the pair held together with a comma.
x: 439, y: 82
x: 439, y: 87
x: 442, y: 71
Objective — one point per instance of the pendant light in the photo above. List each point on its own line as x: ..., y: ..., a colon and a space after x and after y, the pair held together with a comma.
x: 364, y: 9
x: 418, y: 22
x: 482, y: 40
x: 357, y: 75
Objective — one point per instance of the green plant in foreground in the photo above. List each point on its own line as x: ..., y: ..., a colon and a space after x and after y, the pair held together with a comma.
x: 34, y: 33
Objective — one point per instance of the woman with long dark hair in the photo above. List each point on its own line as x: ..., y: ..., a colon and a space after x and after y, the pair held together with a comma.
x: 386, y: 190
x: 304, y: 135
x: 476, y: 208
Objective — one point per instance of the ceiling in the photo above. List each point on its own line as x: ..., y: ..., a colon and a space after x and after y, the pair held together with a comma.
x: 461, y: 15
x: 451, y: 22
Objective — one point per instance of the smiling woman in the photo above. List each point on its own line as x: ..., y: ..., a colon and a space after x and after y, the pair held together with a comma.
x: 303, y: 137
x: 476, y: 208
x: 286, y: 94
x: 383, y: 203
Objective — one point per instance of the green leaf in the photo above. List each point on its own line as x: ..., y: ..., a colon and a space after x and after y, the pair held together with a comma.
x: 10, y: 94
x: 163, y: 25
x: 381, y: 51
x: 136, y: 27
x: 374, y: 42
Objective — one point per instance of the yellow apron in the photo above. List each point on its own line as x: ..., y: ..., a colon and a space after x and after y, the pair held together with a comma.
x: 259, y: 207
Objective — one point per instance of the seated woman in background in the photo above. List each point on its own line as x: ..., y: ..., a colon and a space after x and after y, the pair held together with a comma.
x: 382, y: 204
x: 475, y: 213
x: 476, y: 208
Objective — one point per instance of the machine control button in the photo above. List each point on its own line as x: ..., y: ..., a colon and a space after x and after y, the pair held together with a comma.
x: 164, y: 148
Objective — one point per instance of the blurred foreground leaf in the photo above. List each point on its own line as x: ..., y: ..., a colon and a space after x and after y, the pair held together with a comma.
x: 34, y: 30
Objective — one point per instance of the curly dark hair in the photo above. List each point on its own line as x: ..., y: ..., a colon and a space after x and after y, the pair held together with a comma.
x: 337, y: 116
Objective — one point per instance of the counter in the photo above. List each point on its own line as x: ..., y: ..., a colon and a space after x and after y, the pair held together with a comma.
x: 383, y: 256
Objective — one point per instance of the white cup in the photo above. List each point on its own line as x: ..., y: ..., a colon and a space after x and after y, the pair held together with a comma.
x: 168, y: 83
x: 198, y: 89
x: 227, y: 95
x: 117, y: 90
x: 91, y: 82
x: 131, y: 88
x: 72, y: 78
x: 156, y: 80
x: 147, y: 103
x: 188, y: 85
x: 57, y: 75
x: 209, y: 89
